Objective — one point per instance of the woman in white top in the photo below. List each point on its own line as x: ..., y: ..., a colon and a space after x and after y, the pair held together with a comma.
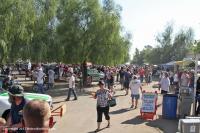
x: 164, y: 84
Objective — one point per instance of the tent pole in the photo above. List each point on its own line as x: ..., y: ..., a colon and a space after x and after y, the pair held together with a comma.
x: 195, y: 84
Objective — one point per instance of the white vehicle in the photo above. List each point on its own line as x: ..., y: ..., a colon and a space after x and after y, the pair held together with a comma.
x: 5, y: 105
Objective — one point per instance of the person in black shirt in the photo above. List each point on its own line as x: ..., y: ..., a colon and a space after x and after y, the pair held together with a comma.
x: 121, y: 74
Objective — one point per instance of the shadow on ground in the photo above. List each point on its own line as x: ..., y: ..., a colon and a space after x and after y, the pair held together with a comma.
x: 120, y: 111
x: 158, y: 123
x: 118, y: 96
x: 60, y: 89
x: 97, y: 131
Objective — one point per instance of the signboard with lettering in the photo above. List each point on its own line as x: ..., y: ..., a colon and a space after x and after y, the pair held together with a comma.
x: 149, y: 102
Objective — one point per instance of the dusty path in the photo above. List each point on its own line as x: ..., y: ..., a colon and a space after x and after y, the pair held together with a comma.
x: 81, y: 116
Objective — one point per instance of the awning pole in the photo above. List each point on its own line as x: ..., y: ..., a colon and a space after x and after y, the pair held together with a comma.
x: 195, y: 84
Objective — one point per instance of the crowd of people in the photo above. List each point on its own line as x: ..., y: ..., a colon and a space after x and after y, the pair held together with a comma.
x: 131, y: 79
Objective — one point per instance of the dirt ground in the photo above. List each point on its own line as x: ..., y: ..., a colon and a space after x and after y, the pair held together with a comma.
x: 80, y: 116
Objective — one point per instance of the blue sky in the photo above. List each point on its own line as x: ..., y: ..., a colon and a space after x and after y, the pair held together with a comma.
x: 144, y: 19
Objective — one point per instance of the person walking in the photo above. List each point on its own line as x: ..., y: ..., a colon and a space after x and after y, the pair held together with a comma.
x: 40, y: 81
x: 141, y: 73
x: 165, y: 84
x: 102, y: 95
x: 61, y: 70
x: 184, y: 79
x: 127, y: 78
x: 121, y: 75
x: 176, y: 82
x: 51, y: 75
x: 135, y: 85
x: 71, y: 87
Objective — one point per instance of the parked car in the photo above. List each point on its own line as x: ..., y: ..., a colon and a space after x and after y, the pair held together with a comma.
x: 5, y: 105
x: 95, y: 75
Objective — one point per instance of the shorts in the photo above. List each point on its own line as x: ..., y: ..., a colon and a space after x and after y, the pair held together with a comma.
x: 135, y: 96
x: 163, y: 92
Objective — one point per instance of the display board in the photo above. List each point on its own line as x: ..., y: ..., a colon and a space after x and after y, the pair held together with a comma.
x: 149, y: 102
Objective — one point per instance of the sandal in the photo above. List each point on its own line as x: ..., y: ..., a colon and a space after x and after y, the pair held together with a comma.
x: 108, y: 126
x: 97, y: 130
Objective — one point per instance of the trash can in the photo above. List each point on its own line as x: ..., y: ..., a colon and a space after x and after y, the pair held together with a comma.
x: 169, y: 107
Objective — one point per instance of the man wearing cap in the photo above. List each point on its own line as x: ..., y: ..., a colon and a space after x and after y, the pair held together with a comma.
x: 17, y: 100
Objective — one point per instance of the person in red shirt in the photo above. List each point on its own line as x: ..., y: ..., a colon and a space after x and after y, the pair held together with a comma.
x: 141, y: 73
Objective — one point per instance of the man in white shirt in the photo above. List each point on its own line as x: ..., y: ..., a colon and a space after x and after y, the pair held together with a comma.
x: 61, y: 70
x: 135, y: 85
x: 71, y: 87
x: 51, y: 75
x: 164, y: 84
x: 29, y: 65
x: 40, y: 81
x: 184, y: 79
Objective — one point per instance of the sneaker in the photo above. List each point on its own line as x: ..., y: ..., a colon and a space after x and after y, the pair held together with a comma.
x: 97, y: 130
x: 131, y: 106
x: 75, y: 99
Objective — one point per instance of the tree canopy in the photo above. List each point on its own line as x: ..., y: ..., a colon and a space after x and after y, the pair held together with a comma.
x: 171, y: 47
x: 70, y: 31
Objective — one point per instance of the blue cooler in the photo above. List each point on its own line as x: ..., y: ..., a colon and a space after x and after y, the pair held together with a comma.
x: 169, y: 107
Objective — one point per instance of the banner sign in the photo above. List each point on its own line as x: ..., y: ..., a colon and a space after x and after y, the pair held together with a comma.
x: 149, y: 102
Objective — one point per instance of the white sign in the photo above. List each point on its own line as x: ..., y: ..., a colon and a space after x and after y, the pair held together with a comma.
x: 149, y: 102
x: 192, y: 129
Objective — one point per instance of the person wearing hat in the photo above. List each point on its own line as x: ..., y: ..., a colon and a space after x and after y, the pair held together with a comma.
x: 71, y: 87
x: 102, y: 95
x: 17, y: 100
x: 135, y: 86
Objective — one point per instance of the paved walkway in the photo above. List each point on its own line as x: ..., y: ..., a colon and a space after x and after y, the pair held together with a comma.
x: 81, y: 116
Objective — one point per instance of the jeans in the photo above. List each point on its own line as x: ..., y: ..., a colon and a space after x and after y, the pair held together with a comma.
x: 141, y: 78
x: 69, y: 93
x: 41, y: 88
x: 50, y: 85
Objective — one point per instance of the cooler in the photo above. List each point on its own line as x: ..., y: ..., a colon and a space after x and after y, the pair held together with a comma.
x: 189, y: 125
